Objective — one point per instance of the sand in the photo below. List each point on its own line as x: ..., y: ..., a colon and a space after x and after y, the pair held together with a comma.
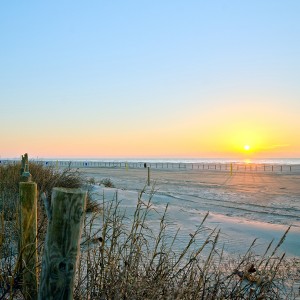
x: 245, y: 205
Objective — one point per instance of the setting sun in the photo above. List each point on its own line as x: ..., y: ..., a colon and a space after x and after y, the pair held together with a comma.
x: 247, y: 147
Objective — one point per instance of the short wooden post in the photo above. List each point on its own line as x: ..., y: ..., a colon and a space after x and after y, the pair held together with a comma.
x: 230, y: 169
x: 62, y: 243
x: 24, y: 172
x: 28, y: 238
x: 148, y: 181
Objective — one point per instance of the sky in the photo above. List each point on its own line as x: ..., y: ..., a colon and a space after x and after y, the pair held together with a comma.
x: 153, y: 79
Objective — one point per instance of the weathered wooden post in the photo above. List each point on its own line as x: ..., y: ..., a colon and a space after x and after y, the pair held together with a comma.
x: 231, y: 169
x: 62, y: 245
x: 24, y: 172
x: 28, y: 231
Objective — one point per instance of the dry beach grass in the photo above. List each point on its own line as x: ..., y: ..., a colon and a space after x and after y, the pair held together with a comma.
x: 125, y: 259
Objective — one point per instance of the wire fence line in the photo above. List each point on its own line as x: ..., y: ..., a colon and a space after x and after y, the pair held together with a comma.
x: 229, y: 167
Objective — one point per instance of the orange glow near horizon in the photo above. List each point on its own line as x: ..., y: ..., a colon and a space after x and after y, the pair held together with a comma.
x: 193, y: 137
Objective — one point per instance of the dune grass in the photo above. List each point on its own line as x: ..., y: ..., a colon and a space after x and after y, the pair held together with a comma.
x: 122, y: 257
x: 125, y: 259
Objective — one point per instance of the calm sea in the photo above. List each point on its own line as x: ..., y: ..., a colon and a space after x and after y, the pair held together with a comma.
x: 280, y: 161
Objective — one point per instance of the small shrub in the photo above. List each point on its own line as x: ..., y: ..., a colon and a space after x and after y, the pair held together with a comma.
x: 107, y: 183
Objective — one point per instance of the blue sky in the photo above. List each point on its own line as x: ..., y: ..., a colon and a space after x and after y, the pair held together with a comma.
x: 123, y: 72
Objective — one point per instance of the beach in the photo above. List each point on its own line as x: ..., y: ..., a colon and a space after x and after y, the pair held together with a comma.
x: 244, y: 205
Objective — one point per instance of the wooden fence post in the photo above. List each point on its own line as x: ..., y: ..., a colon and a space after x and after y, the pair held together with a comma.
x: 148, y: 176
x: 28, y: 231
x: 24, y: 172
x: 62, y: 243
x: 28, y: 238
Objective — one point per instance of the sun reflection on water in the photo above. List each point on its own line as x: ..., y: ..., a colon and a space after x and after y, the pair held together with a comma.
x: 247, y: 161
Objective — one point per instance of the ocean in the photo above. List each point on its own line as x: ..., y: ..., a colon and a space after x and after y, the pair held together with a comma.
x: 287, y: 161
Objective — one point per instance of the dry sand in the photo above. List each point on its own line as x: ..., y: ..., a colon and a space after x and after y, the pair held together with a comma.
x: 245, y: 205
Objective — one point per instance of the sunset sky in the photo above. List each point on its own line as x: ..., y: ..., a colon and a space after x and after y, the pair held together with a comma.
x: 150, y: 78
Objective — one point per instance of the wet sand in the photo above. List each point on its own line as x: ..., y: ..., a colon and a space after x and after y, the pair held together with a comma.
x: 245, y: 205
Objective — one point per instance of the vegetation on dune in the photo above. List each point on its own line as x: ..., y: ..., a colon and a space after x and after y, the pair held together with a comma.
x: 45, y: 177
x: 126, y: 259
x: 123, y: 257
